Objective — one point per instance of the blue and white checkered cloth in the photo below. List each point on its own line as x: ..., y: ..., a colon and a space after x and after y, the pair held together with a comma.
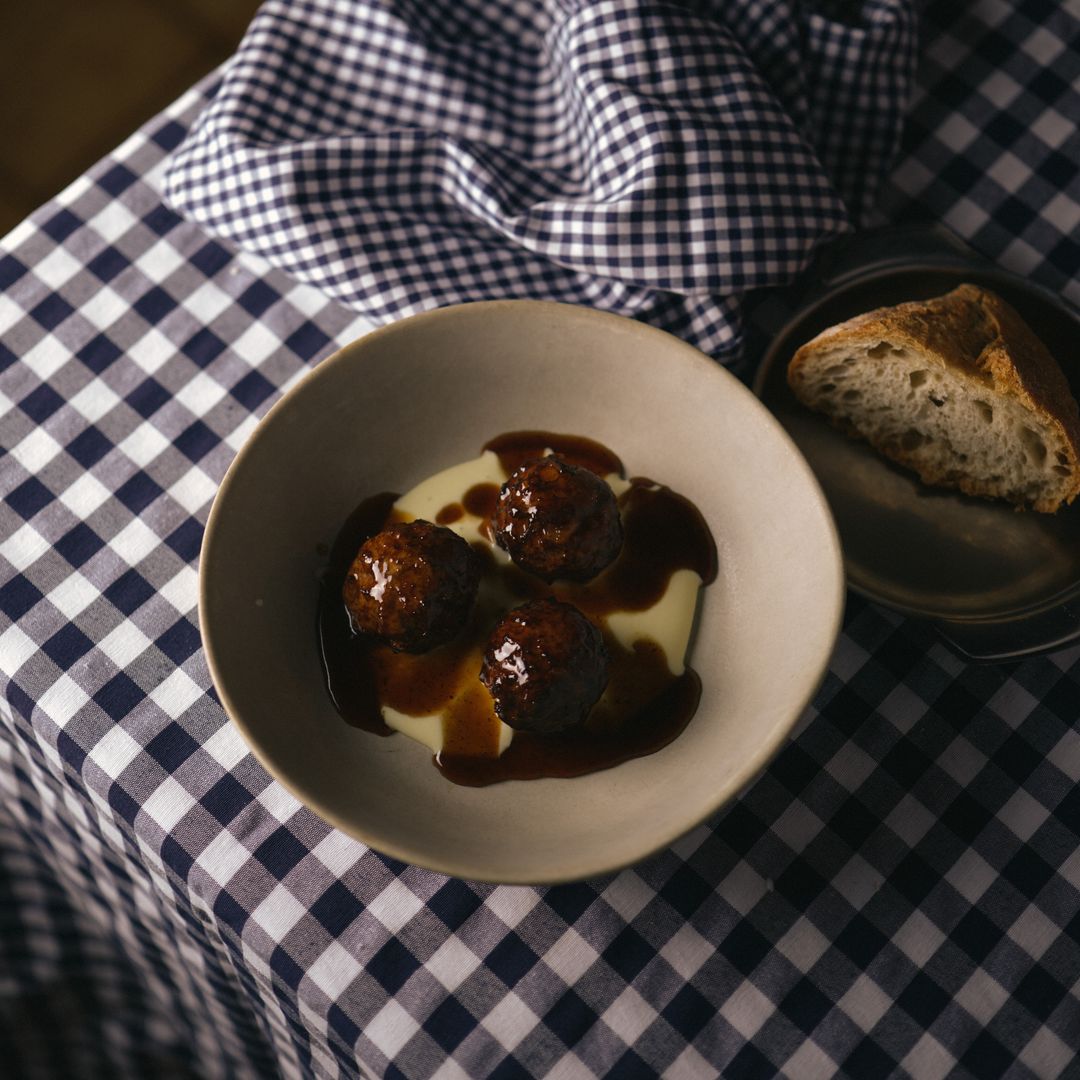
x: 658, y: 160
x: 898, y: 894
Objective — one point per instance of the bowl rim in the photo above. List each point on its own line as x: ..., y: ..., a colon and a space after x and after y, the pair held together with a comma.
x: 574, y: 869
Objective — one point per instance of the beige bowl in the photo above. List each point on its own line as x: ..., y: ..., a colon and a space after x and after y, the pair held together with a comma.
x: 426, y: 393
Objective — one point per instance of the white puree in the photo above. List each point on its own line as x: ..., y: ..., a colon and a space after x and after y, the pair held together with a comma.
x: 668, y: 622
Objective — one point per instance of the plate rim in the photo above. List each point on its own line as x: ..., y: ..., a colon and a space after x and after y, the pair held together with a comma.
x: 868, y: 267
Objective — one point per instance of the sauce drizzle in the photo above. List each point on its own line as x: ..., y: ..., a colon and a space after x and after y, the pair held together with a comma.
x: 515, y: 448
x: 644, y: 707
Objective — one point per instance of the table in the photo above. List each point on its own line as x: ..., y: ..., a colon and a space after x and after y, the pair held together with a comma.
x: 899, y: 894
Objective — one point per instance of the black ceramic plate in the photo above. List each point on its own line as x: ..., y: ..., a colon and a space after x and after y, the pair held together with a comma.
x: 998, y: 583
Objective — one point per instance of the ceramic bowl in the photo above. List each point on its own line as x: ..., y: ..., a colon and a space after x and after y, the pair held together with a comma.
x: 427, y: 392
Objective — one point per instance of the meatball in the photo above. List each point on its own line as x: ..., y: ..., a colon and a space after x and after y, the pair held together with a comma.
x: 545, y: 666
x: 558, y: 520
x: 412, y: 585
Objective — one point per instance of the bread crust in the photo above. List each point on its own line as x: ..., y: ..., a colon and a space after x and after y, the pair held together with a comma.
x: 972, y: 334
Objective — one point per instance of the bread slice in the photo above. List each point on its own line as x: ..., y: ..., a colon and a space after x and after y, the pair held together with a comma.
x: 957, y: 388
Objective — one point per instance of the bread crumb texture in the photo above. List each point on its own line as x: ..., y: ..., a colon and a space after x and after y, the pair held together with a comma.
x: 958, y: 389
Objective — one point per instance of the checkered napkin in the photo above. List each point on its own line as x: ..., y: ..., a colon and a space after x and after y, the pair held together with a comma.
x: 656, y: 160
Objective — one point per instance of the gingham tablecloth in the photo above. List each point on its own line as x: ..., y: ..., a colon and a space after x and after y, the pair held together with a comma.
x: 654, y: 160
x: 899, y: 894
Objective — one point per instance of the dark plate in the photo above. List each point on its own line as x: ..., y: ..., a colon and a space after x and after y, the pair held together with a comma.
x: 998, y: 583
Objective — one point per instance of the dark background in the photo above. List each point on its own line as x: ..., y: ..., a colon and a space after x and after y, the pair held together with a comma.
x: 78, y: 76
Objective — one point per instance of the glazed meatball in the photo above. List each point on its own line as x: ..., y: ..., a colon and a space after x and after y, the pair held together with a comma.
x: 558, y: 520
x: 412, y: 585
x: 545, y: 666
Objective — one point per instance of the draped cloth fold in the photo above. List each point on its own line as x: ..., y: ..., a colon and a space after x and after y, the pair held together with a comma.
x: 658, y: 160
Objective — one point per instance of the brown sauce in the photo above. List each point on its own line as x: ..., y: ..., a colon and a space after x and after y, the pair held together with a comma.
x: 644, y: 708
x: 449, y: 514
x: 345, y: 655
x: 480, y: 500
x: 515, y: 448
